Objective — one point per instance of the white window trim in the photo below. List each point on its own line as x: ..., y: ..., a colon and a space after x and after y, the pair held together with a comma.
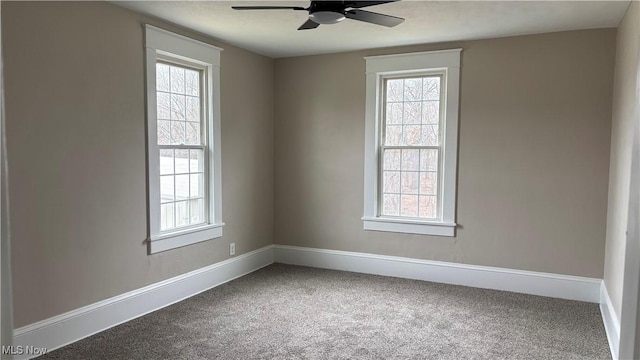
x: 161, y: 44
x: 419, y: 62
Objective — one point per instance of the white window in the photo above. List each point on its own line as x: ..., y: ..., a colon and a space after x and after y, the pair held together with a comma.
x: 411, y: 142
x: 183, y: 137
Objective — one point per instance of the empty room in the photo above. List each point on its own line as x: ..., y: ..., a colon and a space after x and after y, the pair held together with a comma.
x: 320, y: 179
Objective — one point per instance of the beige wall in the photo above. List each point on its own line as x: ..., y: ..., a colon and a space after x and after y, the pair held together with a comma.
x: 625, y: 102
x: 533, y: 162
x: 76, y: 145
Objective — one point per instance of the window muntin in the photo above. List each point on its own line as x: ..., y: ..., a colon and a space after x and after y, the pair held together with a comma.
x: 410, y: 149
x: 181, y: 120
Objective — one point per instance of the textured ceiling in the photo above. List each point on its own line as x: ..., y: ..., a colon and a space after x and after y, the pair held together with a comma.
x: 273, y: 33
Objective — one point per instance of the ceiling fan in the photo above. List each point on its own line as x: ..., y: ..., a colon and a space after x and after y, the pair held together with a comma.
x: 331, y: 12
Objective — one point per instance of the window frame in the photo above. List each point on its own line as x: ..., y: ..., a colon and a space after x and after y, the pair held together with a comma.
x: 204, y: 146
x: 381, y: 140
x: 379, y: 68
x: 166, y: 47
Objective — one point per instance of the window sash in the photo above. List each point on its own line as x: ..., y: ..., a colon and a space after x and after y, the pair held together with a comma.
x: 202, y: 91
x: 381, y: 183
x: 204, y: 194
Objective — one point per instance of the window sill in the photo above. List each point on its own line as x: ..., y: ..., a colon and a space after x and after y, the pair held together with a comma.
x: 409, y: 226
x: 178, y: 239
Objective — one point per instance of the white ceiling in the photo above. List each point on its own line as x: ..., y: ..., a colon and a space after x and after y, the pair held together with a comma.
x: 273, y: 32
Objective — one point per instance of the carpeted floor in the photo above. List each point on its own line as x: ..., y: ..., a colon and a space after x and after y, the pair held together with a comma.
x: 292, y: 312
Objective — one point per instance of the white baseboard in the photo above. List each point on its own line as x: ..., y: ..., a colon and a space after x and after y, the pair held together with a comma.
x: 611, y: 323
x: 527, y: 282
x: 75, y: 325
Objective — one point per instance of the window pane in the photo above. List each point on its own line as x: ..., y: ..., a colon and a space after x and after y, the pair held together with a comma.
x: 394, y: 113
x: 410, y: 159
x: 412, y: 135
x: 428, y: 207
x: 431, y: 112
x: 390, y: 204
x: 429, y: 160
x: 391, y: 182
x: 182, y: 213
x: 394, y: 90
x: 177, y: 80
x: 409, y: 205
x: 192, y: 108
x: 193, y: 134
x: 182, y: 187
x: 391, y: 159
x: 429, y: 183
x: 162, y: 77
x: 196, y: 162
x: 409, y: 182
x: 178, y: 107
x: 412, y: 112
x: 196, y: 185
x: 166, y: 161
x: 192, y: 82
x: 182, y: 161
x: 413, y: 89
x: 164, y: 132
x: 197, y: 211
x: 167, y: 216
x: 431, y: 88
x: 430, y: 135
x: 393, y: 135
x: 177, y: 132
x: 166, y: 188
x: 164, y: 106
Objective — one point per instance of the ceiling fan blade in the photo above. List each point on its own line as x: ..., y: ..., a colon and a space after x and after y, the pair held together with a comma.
x: 310, y: 24
x: 361, y: 4
x: 374, y: 18
x: 267, y: 8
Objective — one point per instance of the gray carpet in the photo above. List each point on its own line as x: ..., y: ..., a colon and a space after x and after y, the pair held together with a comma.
x: 292, y: 312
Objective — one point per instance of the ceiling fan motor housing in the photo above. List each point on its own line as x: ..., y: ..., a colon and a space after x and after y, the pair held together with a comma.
x: 326, y: 17
x: 329, y: 12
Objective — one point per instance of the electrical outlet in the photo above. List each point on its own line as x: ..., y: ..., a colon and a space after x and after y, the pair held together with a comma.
x: 232, y: 249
